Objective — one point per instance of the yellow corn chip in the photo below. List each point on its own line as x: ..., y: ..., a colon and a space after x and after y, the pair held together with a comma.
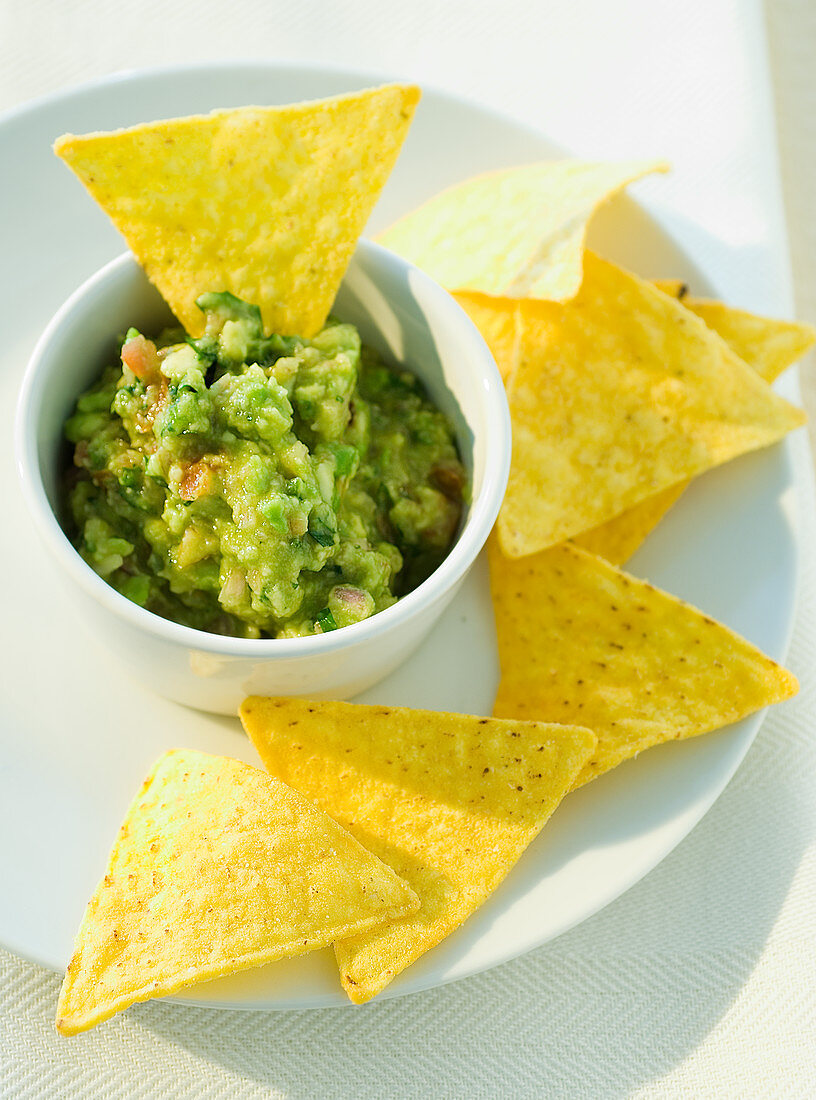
x: 769, y: 346
x: 449, y: 801
x: 217, y: 868
x: 266, y: 202
x: 496, y: 319
x: 618, y: 538
x: 519, y: 232
x: 581, y: 641
x: 766, y: 344
x: 618, y: 395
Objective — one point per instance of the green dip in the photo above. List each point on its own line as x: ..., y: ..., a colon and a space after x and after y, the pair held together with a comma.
x: 261, y: 486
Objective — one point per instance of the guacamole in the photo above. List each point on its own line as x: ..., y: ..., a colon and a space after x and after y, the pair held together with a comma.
x: 261, y: 486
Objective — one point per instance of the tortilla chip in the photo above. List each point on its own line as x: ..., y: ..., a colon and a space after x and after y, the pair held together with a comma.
x: 617, y: 396
x: 581, y: 641
x: 217, y: 868
x: 618, y: 538
x: 266, y: 202
x: 449, y: 801
x: 496, y: 319
x: 519, y: 232
x: 768, y: 345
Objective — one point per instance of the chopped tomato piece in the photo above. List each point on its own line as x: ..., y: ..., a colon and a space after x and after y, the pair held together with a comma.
x: 197, y: 481
x: 140, y: 356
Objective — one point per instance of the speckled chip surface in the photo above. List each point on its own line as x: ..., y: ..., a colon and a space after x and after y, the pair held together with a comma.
x: 618, y: 395
x: 217, y: 867
x: 449, y: 801
x: 582, y: 641
x: 265, y: 202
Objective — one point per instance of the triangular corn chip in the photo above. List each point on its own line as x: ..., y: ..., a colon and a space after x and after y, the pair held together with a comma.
x: 618, y: 538
x: 266, y: 202
x: 217, y: 868
x: 581, y: 641
x: 618, y: 395
x: 766, y: 344
x: 519, y: 232
x: 449, y: 801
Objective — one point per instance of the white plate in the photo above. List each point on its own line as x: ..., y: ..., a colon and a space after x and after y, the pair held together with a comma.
x: 77, y: 735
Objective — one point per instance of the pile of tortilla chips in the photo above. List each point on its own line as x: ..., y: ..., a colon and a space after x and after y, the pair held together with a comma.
x: 619, y: 392
x: 379, y: 829
x: 448, y: 801
x: 615, y: 397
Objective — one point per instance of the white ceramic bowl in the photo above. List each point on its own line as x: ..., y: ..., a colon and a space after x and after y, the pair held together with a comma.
x: 398, y: 310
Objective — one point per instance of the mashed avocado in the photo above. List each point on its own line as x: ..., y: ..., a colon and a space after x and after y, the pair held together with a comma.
x: 261, y: 486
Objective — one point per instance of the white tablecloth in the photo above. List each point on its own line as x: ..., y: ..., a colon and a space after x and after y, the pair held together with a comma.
x: 700, y: 981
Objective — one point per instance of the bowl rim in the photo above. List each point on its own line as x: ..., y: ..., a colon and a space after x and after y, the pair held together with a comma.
x: 482, y: 514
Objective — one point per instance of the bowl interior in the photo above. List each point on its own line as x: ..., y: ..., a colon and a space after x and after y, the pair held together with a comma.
x: 399, y: 311
x: 81, y: 340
